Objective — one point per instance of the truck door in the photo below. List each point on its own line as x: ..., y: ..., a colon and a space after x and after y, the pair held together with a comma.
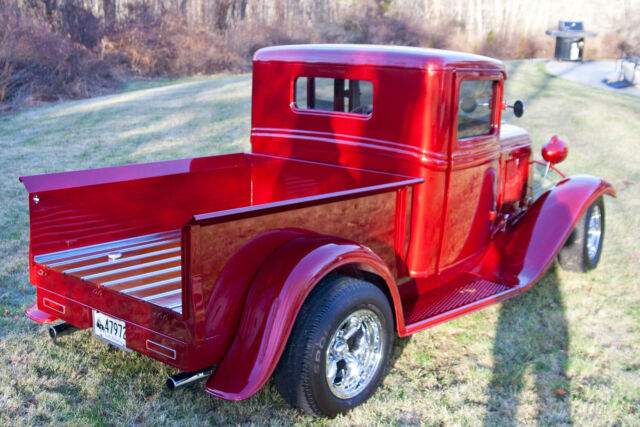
x: 472, y: 186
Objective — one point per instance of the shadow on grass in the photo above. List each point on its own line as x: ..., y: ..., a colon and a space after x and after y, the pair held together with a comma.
x: 532, y: 340
x: 399, y: 346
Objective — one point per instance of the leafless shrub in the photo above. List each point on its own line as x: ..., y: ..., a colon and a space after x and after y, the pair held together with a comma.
x: 78, y: 24
x: 38, y: 64
x: 499, y: 45
x: 626, y: 40
x: 372, y: 23
x: 245, y: 39
x: 166, y: 45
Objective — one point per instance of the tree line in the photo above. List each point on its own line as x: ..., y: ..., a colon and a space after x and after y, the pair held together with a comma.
x: 474, y: 20
x: 52, y: 49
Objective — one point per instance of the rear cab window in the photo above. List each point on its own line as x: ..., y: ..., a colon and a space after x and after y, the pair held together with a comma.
x: 476, y: 102
x: 329, y: 94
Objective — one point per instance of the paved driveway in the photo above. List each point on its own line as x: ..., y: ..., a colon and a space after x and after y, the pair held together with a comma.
x: 589, y: 73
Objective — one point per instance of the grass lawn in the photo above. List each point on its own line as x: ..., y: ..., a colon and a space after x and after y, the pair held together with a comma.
x: 568, y: 351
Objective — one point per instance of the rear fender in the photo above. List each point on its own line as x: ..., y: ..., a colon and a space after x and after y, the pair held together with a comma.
x: 39, y: 316
x: 273, y: 302
x: 225, y: 304
x: 522, y: 254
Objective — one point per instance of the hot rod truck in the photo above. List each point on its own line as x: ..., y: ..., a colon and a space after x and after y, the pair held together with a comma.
x: 382, y: 195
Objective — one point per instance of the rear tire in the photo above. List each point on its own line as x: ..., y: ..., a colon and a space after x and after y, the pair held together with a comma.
x: 339, y: 347
x: 583, y: 249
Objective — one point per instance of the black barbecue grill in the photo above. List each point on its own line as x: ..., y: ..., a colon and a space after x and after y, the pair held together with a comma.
x: 570, y: 37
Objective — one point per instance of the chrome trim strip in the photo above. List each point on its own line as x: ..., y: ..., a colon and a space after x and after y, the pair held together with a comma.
x: 131, y: 268
x: 162, y: 346
x: 41, y: 259
x: 164, y: 294
x: 44, y: 302
x: 98, y: 255
x: 121, y: 260
x: 152, y: 285
x: 142, y: 276
x: 333, y: 137
x: 419, y: 156
x: 176, y: 305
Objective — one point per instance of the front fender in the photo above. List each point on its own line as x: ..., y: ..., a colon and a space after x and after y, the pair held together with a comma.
x: 521, y: 255
x: 276, y: 295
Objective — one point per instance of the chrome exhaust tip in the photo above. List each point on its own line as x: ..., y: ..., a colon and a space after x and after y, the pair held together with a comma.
x: 61, y: 329
x: 185, y: 378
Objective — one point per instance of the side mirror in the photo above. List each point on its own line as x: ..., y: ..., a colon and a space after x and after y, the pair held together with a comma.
x: 518, y: 108
x: 555, y: 150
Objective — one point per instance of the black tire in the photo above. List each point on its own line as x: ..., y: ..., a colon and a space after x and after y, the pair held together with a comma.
x: 576, y: 254
x: 301, y: 376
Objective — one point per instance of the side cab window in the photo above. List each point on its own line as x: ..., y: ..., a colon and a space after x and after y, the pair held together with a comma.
x: 329, y: 94
x: 476, y: 102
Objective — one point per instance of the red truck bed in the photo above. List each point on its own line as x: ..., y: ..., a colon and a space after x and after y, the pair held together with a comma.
x: 128, y: 230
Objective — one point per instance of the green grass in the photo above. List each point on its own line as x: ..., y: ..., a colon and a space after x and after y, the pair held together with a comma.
x: 568, y: 351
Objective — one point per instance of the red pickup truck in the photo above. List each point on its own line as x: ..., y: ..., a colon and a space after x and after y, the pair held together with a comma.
x: 383, y: 195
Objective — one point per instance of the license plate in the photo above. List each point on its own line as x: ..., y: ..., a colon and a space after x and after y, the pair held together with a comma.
x: 109, y: 329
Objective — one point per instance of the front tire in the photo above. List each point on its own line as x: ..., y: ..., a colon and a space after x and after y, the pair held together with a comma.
x: 583, y: 249
x: 339, y: 347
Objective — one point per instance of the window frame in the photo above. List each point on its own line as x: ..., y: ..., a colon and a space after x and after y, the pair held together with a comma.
x: 495, y: 112
x: 335, y: 113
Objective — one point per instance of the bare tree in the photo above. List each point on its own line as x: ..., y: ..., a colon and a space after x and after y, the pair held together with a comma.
x: 109, y: 10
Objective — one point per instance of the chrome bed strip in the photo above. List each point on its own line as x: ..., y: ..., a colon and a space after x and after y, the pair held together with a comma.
x: 131, y: 268
x: 134, y: 258
x: 176, y: 305
x: 121, y: 260
x: 41, y: 259
x: 162, y: 295
x: 98, y: 255
x: 142, y: 276
x: 152, y: 285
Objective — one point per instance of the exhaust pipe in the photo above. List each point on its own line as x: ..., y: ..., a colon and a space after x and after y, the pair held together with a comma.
x: 61, y: 329
x: 185, y: 378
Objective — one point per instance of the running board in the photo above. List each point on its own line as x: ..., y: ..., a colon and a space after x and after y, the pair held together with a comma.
x: 454, y: 299
x: 514, y: 259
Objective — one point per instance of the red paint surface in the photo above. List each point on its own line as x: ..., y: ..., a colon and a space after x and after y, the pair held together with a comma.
x: 555, y: 150
x: 277, y: 293
x: 36, y: 315
x: 445, y: 223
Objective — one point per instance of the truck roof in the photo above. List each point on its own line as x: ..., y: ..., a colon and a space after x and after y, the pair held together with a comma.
x: 380, y: 56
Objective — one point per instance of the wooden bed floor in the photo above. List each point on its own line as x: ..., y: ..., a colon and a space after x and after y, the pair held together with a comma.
x: 145, y: 267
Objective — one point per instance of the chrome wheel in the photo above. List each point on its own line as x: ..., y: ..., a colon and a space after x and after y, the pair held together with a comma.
x: 594, y: 232
x: 354, y: 354
x: 339, y: 347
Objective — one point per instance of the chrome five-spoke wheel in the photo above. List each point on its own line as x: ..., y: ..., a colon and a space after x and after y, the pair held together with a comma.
x: 583, y: 248
x: 354, y: 353
x: 339, y: 347
x: 594, y: 232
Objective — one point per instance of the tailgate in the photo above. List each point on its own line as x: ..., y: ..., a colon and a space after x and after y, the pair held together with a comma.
x: 135, y: 281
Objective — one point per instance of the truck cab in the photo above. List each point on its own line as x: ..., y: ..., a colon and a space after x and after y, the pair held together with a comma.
x: 424, y: 113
